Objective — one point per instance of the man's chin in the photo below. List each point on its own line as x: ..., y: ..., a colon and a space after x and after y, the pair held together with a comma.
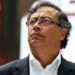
x: 35, y: 42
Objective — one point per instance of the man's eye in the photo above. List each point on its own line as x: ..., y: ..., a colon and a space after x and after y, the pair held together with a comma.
x: 46, y: 20
x: 33, y: 21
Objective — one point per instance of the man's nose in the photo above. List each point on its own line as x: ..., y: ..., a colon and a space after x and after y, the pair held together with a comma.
x: 37, y: 27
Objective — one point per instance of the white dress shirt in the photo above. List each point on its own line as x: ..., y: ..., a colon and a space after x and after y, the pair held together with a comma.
x: 37, y: 69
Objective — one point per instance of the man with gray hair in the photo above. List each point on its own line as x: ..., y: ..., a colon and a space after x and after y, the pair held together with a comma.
x: 48, y: 31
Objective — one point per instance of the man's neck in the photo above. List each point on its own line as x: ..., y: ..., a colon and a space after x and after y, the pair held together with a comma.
x: 45, y: 57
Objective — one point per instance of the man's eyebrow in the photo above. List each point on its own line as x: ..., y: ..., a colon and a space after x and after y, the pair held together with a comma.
x: 33, y: 18
x: 45, y: 17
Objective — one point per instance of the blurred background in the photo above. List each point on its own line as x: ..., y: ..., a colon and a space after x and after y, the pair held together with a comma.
x: 13, y: 30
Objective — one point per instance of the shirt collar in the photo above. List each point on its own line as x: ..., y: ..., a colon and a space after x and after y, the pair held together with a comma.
x: 56, y: 61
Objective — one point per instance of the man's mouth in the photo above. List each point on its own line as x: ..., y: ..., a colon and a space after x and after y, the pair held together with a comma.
x: 36, y: 35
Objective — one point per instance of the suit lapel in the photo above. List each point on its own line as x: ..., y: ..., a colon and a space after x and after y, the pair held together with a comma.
x: 22, y: 68
x: 65, y: 68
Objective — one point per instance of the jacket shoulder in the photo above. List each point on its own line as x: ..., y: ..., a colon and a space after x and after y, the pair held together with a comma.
x: 8, y: 66
x: 69, y: 63
x: 12, y: 66
x: 68, y: 66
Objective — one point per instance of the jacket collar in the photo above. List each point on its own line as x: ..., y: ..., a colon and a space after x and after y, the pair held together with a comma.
x: 65, y: 68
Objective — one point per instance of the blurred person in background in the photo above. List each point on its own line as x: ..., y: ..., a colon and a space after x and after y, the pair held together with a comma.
x: 48, y: 31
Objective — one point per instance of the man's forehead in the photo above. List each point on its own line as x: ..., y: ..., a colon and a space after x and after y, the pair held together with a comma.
x: 45, y: 11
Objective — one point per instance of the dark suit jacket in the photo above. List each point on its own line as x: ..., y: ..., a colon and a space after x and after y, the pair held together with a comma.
x: 21, y: 67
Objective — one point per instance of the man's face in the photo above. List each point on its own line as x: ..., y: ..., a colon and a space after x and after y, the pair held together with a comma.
x: 40, y: 34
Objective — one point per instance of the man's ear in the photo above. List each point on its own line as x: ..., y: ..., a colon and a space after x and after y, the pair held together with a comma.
x: 64, y: 32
